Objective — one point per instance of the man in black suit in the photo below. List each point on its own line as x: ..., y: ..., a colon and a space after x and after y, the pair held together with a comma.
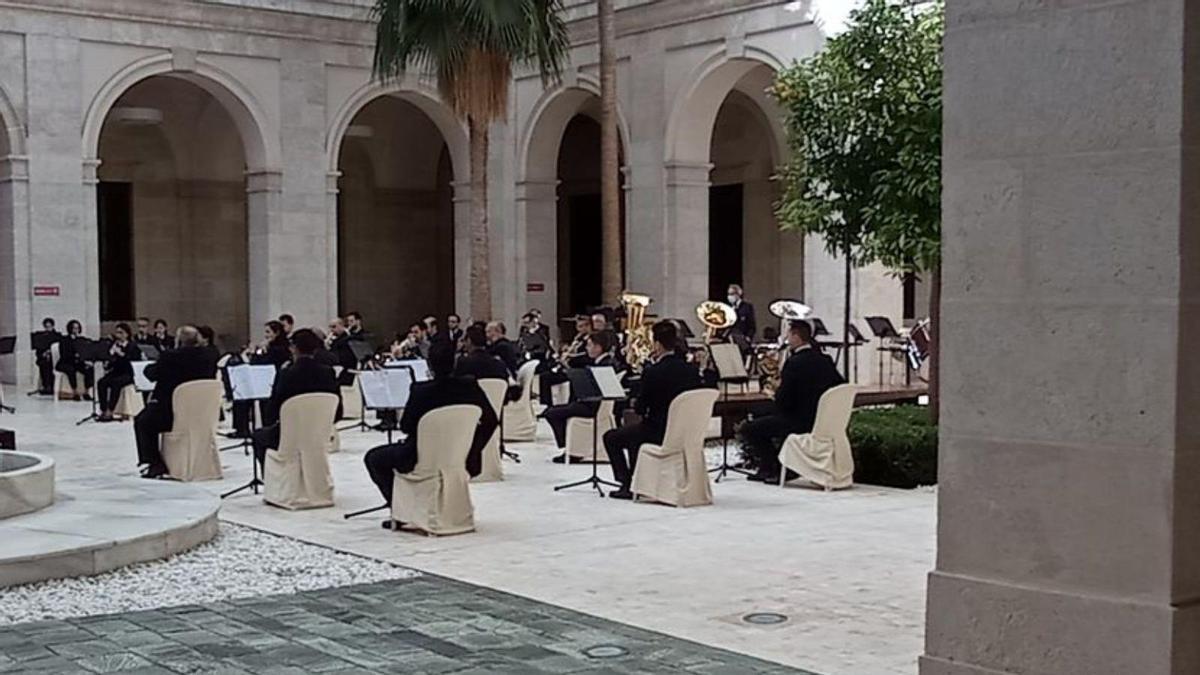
x: 443, y: 390
x: 305, y: 375
x: 807, y: 374
x: 746, y: 323
x: 45, y: 358
x: 500, y: 346
x: 668, y: 376
x: 454, y: 328
x: 478, y: 362
x: 187, y: 362
x: 599, y: 346
x: 339, y: 346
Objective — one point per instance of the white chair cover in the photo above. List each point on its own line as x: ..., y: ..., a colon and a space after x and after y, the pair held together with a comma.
x: 352, y: 400
x: 580, y: 435
x: 823, y: 456
x: 64, y: 387
x: 130, y: 402
x: 676, y: 473
x: 189, y: 449
x: 435, y: 496
x: 297, y: 473
x: 492, y: 471
x: 520, y: 425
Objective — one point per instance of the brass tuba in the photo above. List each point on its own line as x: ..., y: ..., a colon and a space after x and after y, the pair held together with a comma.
x: 715, y: 316
x: 637, y: 331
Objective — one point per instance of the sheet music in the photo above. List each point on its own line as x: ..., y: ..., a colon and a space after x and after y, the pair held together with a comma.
x: 610, y: 385
x: 251, y: 383
x: 386, y: 389
x: 728, y: 360
x: 420, y: 368
x: 139, y: 376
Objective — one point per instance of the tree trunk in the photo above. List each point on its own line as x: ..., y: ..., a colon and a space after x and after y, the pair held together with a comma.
x: 612, y: 276
x: 481, y: 278
x: 935, y: 343
x: 846, y: 311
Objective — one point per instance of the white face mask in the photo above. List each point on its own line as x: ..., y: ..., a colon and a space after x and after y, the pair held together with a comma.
x: 732, y: 299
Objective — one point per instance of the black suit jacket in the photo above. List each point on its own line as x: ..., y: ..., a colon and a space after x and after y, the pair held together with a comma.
x: 277, y: 354
x: 123, y: 365
x: 481, y: 365
x: 176, y: 366
x: 304, y: 376
x: 746, y: 323
x: 506, y: 352
x: 428, y: 396
x: 806, y: 375
x: 661, y: 383
x: 341, y: 349
x: 604, y: 360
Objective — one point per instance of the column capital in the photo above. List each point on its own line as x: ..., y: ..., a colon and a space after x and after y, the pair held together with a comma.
x: 14, y: 169
x: 462, y: 191
x: 331, y: 182
x: 685, y: 174
x: 90, y: 167
x: 264, y: 180
x: 537, y: 190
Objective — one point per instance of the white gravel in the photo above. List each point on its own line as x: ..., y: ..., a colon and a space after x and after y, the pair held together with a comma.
x: 239, y: 563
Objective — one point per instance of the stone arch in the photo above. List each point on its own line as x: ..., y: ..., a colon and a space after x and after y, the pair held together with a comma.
x: 261, y: 146
x: 12, y: 140
x: 543, y: 133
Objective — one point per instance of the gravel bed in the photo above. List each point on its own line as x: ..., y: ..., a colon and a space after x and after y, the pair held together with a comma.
x: 239, y: 563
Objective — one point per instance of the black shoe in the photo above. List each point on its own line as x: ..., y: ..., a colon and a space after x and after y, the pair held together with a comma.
x: 390, y: 524
x: 788, y: 476
x: 560, y: 459
x: 155, y: 471
x: 623, y: 493
x: 757, y: 477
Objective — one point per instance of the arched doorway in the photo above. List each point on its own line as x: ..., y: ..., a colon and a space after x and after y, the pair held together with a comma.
x: 171, y: 209
x: 395, y: 217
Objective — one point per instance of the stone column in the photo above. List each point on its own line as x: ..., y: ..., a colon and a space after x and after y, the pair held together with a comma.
x: 1069, y: 517
x: 268, y: 245
x: 685, y: 240
x: 331, y: 246
x: 15, y: 300
x: 462, y: 248
x: 537, y: 216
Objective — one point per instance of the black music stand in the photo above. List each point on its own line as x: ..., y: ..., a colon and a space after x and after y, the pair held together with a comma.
x: 247, y: 444
x: 8, y: 345
x: 92, y: 352
x: 890, y: 341
x: 586, y: 390
x: 737, y: 376
x: 412, y: 380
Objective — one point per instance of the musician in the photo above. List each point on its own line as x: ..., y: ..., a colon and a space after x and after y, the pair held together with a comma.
x: 305, y: 375
x: 414, y: 345
x: 477, y: 362
x: 275, y: 350
x: 599, y: 322
x: 143, y: 335
x: 454, y: 328
x: 573, y: 355
x: 71, y: 364
x: 806, y: 375
x: 599, y: 352
x: 355, y: 327
x: 208, y: 340
x: 339, y: 345
x: 500, y: 346
x: 323, y: 355
x: 187, y: 363
x: 746, y: 324
x: 118, y: 370
x: 162, y: 339
x: 289, y: 323
x: 45, y: 358
x: 667, y: 376
x: 443, y: 390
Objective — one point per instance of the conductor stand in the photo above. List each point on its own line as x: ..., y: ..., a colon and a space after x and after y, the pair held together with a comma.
x: 731, y: 370
x: 92, y: 353
x: 597, y: 385
x: 8, y: 345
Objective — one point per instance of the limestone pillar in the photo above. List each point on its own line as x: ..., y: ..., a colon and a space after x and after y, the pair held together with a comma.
x: 331, y: 247
x: 1069, y: 517
x: 685, y: 241
x: 15, y: 292
x: 268, y: 248
x: 537, y: 215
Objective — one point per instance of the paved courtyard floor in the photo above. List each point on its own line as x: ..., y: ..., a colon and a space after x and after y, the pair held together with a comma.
x: 847, y: 569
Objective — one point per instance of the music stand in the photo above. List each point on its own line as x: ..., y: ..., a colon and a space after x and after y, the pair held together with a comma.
x: 253, y: 384
x: 390, y: 397
x: 587, y: 389
x: 92, y: 352
x: 883, y: 329
x: 730, y: 370
x: 8, y: 344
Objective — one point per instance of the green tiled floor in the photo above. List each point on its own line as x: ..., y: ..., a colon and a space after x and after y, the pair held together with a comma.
x: 424, y: 625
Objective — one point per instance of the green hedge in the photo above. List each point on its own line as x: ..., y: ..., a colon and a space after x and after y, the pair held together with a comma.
x: 895, y: 447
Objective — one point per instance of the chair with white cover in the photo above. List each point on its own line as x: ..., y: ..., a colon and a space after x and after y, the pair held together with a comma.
x: 581, y: 434
x: 189, y: 449
x: 435, y: 496
x: 352, y: 400
x: 823, y: 456
x: 64, y: 387
x: 675, y: 472
x: 130, y: 403
x: 296, y: 474
x: 520, y: 425
x: 494, y: 389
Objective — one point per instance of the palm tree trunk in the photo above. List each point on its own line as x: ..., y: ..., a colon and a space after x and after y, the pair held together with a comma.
x: 935, y: 343
x: 481, y: 279
x: 612, y: 277
x: 846, y: 310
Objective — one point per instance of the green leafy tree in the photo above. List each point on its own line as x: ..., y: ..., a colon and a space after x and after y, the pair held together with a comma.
x: 471, y: 47
x: 864, y: 122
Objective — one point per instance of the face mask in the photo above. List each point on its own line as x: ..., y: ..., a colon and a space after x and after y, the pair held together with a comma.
x: 732, y: 299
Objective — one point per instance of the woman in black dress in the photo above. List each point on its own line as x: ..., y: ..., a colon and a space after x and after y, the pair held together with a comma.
x: 70, y: 363
x: 118, y: 372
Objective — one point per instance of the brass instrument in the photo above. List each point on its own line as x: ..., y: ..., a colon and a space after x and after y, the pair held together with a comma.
x: 638, y: 342
x: 715, y: 316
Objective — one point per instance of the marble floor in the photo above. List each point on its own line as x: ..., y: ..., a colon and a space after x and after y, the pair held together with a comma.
x: 847, y: 569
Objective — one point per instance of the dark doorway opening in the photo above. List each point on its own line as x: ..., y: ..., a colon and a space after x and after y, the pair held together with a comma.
x: 584, y: 216
x: 114, y: 219
x: 725, y: 225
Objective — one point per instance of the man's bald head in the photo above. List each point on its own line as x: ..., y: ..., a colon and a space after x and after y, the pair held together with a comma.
x: 187, y: 336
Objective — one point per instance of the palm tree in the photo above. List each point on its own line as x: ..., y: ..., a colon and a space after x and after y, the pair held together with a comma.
x: 612, y: 281
x: 471, y: 47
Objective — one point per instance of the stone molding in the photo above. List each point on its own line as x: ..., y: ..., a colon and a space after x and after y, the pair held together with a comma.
x: 14, y: 169
x: 264, y: 181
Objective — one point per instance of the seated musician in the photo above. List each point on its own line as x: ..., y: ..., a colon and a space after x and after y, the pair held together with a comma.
x: 162, y: 339
x: 305, y: 375
x: 477, y: 362
x: 454, y: 328
x: 118, y: 372
x: 806, y: 375
x: 599, y: 352
x: 534, y: 341
x: 443, y: 390
x: 500, y: 346
x: 208, y: 340
x: 143, y: 335
x: 667, y: 376
x: 288, y: 322
x: 275, y: 350
x: 355, y: 326
x: 188, y: 362
x: 45, y: 358
x: 414, y: 345
x: 433, y: 331
x: 71, y: 364
x: 574, y: 355
x: 339, y: 346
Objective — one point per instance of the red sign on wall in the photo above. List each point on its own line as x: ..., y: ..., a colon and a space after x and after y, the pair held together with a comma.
x: 535, y: 287
x: 46, y: 291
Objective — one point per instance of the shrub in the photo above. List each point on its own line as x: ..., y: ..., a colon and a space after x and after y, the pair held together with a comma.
x: 894, y: 447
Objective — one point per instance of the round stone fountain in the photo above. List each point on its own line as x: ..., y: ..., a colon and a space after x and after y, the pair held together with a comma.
x: 26, y: 483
